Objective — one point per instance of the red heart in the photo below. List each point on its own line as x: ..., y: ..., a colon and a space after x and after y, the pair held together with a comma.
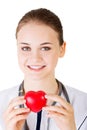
x: 35, y: 100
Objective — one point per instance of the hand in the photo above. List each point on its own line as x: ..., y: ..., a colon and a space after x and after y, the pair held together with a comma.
x: 14, y: 117
x: 63, y: 114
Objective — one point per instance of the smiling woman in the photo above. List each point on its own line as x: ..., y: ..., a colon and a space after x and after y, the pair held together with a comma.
x: 40, y: 45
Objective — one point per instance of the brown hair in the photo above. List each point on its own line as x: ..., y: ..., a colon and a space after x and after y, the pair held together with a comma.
x: 44, y: 16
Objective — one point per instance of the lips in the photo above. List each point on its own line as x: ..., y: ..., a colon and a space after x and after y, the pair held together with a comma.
x: 36, y: 67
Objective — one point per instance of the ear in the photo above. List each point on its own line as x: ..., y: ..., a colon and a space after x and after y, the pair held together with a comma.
x: 62, y: 49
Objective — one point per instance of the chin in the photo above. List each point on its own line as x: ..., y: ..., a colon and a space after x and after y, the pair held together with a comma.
x: 36, y: 77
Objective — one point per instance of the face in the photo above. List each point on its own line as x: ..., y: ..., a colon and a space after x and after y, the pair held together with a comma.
x: 38, y: 50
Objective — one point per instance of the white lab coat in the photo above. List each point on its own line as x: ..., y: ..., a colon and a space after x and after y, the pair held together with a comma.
x: 77, y: 99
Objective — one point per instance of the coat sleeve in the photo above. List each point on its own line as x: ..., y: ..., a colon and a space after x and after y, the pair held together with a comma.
x: 5, y: 97
x: 83, y: 125
x: 79, y: 103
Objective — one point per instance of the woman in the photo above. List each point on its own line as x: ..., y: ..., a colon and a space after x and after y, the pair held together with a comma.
x: 40, y: 44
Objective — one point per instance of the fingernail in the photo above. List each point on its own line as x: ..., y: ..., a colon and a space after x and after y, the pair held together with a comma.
x: 46, y: 96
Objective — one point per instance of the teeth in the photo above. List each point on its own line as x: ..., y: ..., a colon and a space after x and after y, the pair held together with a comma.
x: 35, y: 67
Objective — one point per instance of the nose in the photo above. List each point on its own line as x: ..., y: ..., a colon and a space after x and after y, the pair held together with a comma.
x: 35, y: 56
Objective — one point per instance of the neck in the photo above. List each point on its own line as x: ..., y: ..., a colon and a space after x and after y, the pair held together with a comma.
x: 48, y: 85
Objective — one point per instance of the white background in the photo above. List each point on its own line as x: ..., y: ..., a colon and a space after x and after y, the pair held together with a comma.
x: 72, y: 69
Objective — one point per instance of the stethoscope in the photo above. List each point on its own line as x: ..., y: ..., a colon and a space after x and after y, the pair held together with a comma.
x: 62, y: 89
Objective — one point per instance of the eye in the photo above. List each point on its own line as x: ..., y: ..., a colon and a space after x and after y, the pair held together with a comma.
x: 45, y: 48
x: 26, y: 48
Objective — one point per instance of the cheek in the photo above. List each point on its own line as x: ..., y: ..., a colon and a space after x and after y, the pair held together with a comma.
x: 21, y: 59
x: 22, y: 63
x: 52, y: 60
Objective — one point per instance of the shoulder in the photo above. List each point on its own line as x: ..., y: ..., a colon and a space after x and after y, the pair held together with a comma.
x: 76, y: 95
x: 9, y: 92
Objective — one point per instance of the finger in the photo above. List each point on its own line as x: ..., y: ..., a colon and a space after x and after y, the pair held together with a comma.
x: 16, y: 119
x: 14, y: 103
x: 56, y: 109
x: 52, y: 114
x: 60, y: 100
x: 19, y: 111
x: 20, y: 117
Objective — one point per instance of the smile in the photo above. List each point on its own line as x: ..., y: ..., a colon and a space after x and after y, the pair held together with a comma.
x: 36, y: 67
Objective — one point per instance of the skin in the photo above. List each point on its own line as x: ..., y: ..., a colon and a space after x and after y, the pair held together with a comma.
x: 38, y: 53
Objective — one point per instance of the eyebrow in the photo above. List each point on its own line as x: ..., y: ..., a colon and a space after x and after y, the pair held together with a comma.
x: 24, y: 43
x: 45, y: 43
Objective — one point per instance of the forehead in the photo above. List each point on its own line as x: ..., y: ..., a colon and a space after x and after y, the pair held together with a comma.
x: 39, y: 32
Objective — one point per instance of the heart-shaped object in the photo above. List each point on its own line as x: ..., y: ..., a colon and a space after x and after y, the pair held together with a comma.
x: 35, y: 100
